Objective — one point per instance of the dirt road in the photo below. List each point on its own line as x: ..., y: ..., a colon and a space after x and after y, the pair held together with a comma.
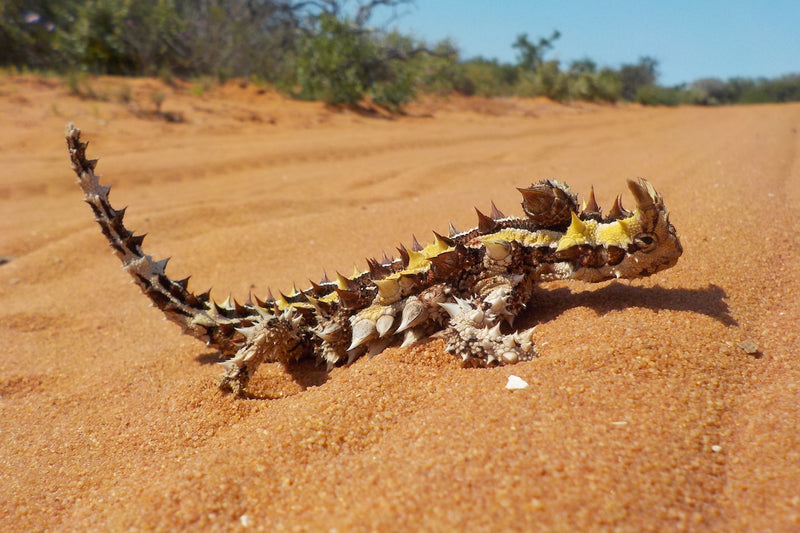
x: 643, y: 411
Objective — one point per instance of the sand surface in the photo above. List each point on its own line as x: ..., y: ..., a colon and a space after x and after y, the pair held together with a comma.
x: 643, y: 412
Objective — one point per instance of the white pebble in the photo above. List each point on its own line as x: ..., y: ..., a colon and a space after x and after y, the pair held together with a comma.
x: 516, y: 383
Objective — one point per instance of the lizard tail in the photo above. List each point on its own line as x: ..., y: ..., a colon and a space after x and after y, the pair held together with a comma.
x: 197, y: 314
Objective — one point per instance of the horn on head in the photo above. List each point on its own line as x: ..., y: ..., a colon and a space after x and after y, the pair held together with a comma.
x: 648, y: 202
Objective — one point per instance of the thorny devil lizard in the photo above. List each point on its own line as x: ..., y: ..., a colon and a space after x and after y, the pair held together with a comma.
x: 467, y: 284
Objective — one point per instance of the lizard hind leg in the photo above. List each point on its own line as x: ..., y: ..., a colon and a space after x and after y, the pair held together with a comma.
x: 478, y: 339
x: 273, y: 339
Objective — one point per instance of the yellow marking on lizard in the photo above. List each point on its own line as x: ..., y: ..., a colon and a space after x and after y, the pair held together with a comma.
x: 524, y: 237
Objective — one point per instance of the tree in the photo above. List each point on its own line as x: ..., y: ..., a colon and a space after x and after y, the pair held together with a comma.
x: 633, y: 77
x: 530, y: 55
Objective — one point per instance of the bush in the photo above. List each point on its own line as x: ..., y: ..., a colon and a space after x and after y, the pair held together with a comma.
x: 711, y: 91
x: 236, y: 38
x: 549, y: 81
x: 78, y: 84
x: 95, y: 40
x: 783, y: 89
x: 657, y: 95
x: 341, y: 63
x: 585, y: 83
x: 331, y: 63
x: 437, y: 72
x: 222, y: 38
x: 608, y: 86
x: 485, y: 77
x: 29, y: 30
x: 637, y: 76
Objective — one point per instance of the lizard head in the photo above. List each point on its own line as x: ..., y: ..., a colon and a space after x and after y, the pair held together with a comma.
x: 594, y: 248
x: 650, y: 241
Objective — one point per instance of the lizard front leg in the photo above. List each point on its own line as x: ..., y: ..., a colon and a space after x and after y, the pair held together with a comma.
x: 474, y: 331
x: 469, y: 336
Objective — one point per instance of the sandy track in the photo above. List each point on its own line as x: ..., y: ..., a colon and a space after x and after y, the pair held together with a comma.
x: 643, y: 413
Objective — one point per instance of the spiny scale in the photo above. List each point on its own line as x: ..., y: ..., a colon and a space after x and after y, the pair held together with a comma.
x: 466, y: 284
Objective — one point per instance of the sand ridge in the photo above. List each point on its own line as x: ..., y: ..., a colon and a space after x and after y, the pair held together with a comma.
x: 643, y: 412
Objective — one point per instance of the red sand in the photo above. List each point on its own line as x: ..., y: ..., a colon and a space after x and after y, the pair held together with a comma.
x: 643, y: 413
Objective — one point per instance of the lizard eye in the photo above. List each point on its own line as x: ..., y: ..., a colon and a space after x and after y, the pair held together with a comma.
x: 646, y: 242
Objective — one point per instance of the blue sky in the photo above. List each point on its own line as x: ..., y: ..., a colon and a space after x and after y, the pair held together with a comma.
x: 690, y: 39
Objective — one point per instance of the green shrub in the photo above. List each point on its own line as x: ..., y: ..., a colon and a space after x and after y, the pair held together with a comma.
x: 95, y: 40
x: 394, y: 93
x: 484, y: 77
x: 585, y: 83
x: 636, y: 76
x: 608, y: 86
x: 202, y: 85
x: 549, y: 81
x: 582, y: 87
x: 331, y: 63
x: 78, y: 84
x: 435, y: 71
x: 29, y: 30
x: 783, y: 89
x: 656, y: 95
x: 341, y: 64
x: 158, y: 98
